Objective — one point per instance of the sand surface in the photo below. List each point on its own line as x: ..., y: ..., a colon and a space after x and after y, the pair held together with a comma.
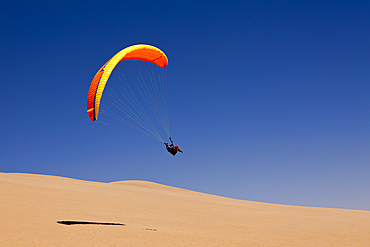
x: 159, y: 215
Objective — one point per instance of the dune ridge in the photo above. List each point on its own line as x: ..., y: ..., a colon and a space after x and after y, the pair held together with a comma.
x: 159, y: 215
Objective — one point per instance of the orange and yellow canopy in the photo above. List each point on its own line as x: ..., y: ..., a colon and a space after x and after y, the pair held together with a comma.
x: 135, y: 52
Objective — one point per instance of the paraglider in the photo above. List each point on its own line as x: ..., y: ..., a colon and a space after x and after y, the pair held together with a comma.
x: 139, y: 101
x: 171, y: 148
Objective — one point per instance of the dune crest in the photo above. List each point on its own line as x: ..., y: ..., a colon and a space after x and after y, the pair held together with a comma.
x: 160, y: 215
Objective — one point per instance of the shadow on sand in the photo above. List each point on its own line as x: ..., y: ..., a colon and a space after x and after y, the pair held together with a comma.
x: 68, y: 222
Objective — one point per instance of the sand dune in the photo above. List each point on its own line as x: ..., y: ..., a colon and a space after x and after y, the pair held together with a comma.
x: 156, y: 215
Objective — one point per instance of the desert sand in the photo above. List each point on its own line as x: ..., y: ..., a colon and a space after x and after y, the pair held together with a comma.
x: 151, y: 214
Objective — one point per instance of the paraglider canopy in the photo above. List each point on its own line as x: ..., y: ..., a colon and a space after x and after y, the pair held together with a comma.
x: 135, y: 52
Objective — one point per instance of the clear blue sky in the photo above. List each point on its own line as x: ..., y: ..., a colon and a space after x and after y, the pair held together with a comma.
x: 270, y: 99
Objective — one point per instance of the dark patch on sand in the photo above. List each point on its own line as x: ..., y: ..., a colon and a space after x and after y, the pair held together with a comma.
x: 69, y: 222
